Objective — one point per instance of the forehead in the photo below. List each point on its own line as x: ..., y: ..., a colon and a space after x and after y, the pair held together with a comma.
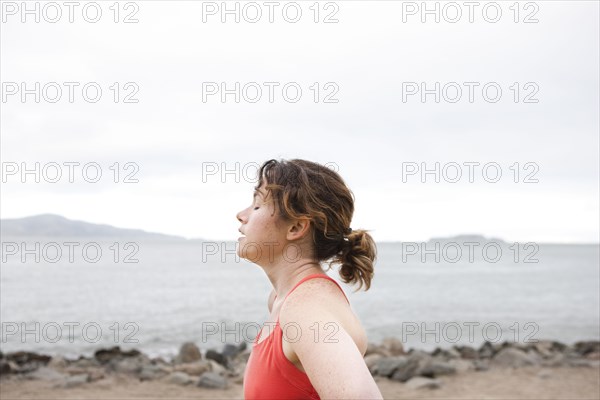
x: 259, y: 192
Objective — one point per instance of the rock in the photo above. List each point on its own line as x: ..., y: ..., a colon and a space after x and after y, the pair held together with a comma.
x: 231, y: 351
x: 217, y: 368
x: 438, y: 352
x: 481, y: 365
x: 106, y: 355
x: 386, y: 366
x: 511, y: 357
x: 14, y: 368
x: 159, y: 361
x: 213, y: 381
x: 243, y: 357
x: 179, y: 378
x: 243, y: 347
x: 373, y: 348
x: 448, y: 354
x: 452, y: 353
x: 218, y: 357
x: 593, y: 356
x: 238, y: 371
x: 587, y: 347
x: 535, y: 356
x: 467, y: 352
x: 419, y: 382
x: 196, y: 368
x: 58, y: 362
x: 461, y: 365
x: 582, y: 363
x: 46, y: 374
x: 547, y: 348
x: 152, y: 372
x: 73, y: 370
x: 4, y: 367
x: 435, y: 368
x: 571, y: 354
x: 417, y: 360
x: 85, y: 363
x: 405, y: 372
x: 486, y: 350
x: 23, y: 369
x: 75, y: 380
x: 393, y: 346
x: 25, y: 357
x: 95, y: 374
x: 556, y: 360
x: 371, y: 360
x: 127, y: 365
x: 419, y: 354
x: 523, y: 346
x: 23, y: 362
x: 543, y: 348
x: 188, y: 353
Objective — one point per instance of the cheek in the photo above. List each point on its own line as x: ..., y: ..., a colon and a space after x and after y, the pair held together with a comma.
x: 267, y: 225
x: 260, y: 221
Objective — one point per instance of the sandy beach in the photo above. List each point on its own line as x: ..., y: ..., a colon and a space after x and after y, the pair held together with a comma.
x: 524, y: 383
x: 541, y: 370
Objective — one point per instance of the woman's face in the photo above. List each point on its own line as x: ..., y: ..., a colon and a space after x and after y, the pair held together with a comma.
x: 264, y: 235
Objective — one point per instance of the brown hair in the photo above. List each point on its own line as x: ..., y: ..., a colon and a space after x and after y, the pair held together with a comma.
x: 306, y: 189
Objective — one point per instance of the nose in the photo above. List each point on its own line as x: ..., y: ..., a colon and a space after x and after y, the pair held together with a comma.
x: 239, y: 217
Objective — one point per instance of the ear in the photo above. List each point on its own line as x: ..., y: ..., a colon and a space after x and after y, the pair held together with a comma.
x: 298, y: 229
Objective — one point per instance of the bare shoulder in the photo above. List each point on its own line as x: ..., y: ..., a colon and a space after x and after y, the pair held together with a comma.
x: 321, y: 300
x: 318, y: 287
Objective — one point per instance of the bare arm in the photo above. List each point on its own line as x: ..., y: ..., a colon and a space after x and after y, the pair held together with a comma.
x: 328, y: 354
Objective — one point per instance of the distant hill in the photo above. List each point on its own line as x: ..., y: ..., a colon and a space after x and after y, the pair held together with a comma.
x: 466, y: 238
x: 59, y: 226
x: 460, y: 239
x: 482, y: 240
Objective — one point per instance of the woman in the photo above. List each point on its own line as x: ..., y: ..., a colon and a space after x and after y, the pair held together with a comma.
x: 300, y: 216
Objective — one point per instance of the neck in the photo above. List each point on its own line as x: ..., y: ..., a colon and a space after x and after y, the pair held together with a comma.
x: 284, y: 277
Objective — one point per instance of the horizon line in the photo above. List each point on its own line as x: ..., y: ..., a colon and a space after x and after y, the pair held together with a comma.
x: 186, y: 238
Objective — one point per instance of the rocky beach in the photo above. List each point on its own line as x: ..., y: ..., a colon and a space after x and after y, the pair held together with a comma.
x: 542, y: 370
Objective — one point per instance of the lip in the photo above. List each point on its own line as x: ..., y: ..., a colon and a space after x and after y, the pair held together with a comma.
x: 241, y: 237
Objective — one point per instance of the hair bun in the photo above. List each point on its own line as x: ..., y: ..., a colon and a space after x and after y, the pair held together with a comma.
x: 356, y: 258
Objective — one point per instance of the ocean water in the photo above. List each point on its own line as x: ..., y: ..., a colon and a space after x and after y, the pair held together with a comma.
x: 181, y: 291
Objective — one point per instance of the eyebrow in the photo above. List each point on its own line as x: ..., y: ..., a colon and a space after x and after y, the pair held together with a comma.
x: 257, y: 192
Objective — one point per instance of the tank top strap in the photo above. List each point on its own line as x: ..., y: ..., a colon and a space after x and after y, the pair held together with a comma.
x: 312, y: 276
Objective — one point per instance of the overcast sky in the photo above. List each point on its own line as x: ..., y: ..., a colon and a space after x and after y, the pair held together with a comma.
x: 370, y: 61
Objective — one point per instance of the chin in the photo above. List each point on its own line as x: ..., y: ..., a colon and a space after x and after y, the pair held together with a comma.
x: 239, y: 251
x: 249, y: 253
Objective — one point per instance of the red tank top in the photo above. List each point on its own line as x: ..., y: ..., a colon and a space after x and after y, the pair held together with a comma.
x: 269, y: 374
